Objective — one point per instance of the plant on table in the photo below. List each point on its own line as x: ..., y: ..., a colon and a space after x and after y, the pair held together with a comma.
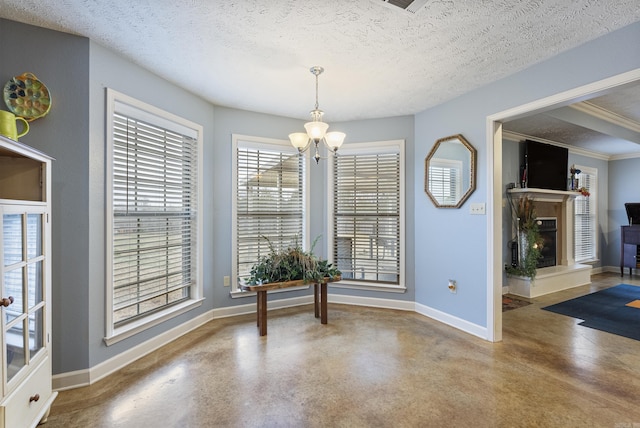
x: 291, y: 264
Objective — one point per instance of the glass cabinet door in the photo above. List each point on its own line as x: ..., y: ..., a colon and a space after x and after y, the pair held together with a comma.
x: 22, y: 289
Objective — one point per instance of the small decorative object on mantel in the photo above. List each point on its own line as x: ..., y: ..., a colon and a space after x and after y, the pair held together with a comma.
x: 584, y: 191
x: 27, y: 97
x: 573, y: 183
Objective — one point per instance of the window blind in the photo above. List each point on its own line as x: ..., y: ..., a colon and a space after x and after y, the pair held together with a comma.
x: 366, y: 215
x: 270, y: 203
x: 154, y: 217
x: 585, y: 220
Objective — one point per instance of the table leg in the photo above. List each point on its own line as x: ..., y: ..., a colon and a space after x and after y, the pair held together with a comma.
x: 316, y: 308
x: 262, y: 312
x: 323, y: 303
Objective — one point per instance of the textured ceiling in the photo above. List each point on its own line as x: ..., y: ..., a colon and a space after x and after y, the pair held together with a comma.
x: 380, y: 61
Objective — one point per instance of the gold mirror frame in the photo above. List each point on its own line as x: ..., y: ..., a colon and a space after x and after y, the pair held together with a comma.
x: 447, y: 155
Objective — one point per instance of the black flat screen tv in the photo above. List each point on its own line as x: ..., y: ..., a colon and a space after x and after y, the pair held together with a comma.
x: 546, y: 165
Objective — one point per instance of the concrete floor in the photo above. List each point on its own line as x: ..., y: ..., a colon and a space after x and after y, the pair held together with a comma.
x: 374, y: 368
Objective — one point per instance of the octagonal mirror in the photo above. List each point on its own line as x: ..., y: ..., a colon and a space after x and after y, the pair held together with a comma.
x: 450, y: 172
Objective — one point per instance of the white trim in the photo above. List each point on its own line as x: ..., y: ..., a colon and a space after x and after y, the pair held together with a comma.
x: 459, y: 323
x: 135, y: 327
x: 606, y: 115
x: 372, y: 302
x: 625, y: 156
x: 115, y: 102
x: 89, y: 376
x: 360, y: 285
x: 494, y: 188
x: 516, y: 136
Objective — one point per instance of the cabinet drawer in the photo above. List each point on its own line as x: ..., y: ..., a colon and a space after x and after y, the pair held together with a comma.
x: 18, y: 410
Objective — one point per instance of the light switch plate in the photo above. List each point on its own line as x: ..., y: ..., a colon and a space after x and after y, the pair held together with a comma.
x: 478, y: 208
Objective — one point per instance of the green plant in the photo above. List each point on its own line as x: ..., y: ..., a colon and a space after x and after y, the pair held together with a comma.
x: 291, y: 264
x: 528, y: 264
x: 529, y: 237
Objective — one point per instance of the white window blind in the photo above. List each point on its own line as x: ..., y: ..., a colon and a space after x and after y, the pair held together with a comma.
x: 270, y: 201
x: 154, y: 193
x: 585, y: 217
x: 367, y: 216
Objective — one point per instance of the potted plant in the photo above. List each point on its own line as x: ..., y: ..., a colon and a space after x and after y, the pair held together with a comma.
x: 529, y: 239
x: 291, y: 264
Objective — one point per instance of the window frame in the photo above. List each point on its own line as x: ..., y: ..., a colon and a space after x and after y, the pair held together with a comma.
x: 369, y: 148
x: 284, y: 146
x: 124, y: 104
x: 593, y: 205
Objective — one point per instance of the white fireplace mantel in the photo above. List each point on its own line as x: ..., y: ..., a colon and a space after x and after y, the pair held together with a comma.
x: 544, y: 195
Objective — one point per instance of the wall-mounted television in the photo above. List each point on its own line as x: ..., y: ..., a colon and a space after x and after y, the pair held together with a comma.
x: 546, y: 165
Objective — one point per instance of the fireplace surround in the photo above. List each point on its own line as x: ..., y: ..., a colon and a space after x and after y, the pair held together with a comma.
x: 566, y: 273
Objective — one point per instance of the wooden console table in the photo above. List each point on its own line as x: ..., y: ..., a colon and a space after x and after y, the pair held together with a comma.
x: 319, y: 298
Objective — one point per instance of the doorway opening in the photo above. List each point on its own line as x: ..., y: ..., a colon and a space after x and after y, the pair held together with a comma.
x: 495, y: 268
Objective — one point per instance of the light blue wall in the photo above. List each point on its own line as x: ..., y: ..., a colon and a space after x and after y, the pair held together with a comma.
x: 624, y: 176
x: 61, y: 62
x: 454, y: 244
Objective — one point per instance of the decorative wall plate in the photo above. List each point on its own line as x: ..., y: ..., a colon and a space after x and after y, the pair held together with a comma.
x: 27, y: 97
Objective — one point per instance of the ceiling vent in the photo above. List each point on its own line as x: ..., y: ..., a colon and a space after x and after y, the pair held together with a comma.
x: 411, y: 6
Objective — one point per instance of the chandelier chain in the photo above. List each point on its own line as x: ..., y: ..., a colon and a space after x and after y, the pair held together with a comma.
x: 317, y: 74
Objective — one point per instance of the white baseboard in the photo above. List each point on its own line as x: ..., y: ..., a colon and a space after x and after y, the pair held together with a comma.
x: 456, y: 322
x: 372, y: 302
x: 79, y: 378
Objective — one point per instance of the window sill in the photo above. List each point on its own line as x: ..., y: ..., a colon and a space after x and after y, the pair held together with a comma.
x: 356, y: 285
x: 136, y: 327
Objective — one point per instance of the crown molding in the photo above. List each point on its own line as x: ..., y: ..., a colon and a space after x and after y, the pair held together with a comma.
x: 606, y: 115
x: 516, y: 136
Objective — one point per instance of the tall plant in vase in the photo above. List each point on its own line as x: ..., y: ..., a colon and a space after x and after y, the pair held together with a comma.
x: 528, y: 237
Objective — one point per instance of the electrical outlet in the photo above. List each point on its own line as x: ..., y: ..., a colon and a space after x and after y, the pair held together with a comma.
x: 453, y: 286
x: 227, y: 281
x: 478, y: 208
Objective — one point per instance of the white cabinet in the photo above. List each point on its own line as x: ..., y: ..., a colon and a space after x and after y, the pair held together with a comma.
x: 25, y: 285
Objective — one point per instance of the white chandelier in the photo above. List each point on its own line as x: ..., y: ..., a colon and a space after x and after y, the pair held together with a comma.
x: 316, y: 129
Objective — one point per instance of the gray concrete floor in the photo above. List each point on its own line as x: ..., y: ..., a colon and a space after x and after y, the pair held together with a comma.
x: 374, y: 368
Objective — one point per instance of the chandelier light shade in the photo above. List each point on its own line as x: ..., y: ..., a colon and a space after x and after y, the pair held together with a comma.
x: 316, y: 129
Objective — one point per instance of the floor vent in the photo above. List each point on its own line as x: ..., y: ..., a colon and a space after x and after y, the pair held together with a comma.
x: 411, y: 6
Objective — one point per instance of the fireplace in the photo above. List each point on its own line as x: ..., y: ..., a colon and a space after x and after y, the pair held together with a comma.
x: 558, y: 269
x: 548, y: 228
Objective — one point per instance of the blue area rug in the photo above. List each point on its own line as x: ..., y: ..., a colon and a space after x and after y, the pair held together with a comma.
x: 606, y: 310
